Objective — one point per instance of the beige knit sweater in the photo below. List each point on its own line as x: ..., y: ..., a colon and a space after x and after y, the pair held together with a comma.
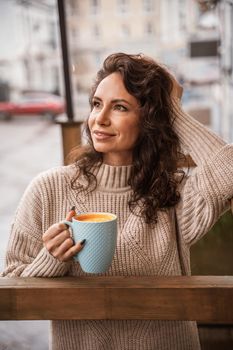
x: 141, y: 249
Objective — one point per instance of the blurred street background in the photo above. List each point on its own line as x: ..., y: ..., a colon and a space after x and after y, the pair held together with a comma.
x: 28, y: 146
x: 194, y: 38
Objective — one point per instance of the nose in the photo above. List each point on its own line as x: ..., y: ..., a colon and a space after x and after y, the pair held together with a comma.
x: 103, y: 117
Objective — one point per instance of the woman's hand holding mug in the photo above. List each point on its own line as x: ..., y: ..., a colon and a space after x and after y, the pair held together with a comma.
x: 59, y: 243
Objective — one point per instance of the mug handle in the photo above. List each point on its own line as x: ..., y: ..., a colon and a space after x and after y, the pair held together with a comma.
x: 66, y: 222
x: 70, y: 224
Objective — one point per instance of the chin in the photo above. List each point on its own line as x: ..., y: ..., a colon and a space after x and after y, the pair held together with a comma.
x: 101, y: 148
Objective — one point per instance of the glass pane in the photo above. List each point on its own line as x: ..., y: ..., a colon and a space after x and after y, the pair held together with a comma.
x: 195, y: 43
x: 31, y: 89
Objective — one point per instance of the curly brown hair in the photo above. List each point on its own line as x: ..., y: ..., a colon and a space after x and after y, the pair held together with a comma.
x: 154, y: 172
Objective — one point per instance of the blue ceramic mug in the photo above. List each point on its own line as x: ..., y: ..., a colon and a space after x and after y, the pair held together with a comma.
x: 100, y: 232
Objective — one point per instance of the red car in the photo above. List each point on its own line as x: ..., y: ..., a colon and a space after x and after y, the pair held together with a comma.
x: 34, y: 104
x: 6, y: 109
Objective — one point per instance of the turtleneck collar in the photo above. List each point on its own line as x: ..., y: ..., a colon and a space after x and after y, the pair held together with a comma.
x: 111, y: 177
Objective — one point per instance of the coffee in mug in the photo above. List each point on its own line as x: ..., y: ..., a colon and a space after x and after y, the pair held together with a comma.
x: 100, y: 232
x: 94, y: 217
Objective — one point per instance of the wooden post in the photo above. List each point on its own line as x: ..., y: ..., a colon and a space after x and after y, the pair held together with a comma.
x: 65, y: 58
x: 71, y: 129
x: 71, y: 136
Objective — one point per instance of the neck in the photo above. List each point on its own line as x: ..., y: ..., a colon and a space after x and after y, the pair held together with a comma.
x: 117, y: 159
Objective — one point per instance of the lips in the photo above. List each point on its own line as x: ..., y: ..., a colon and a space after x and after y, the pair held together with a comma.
x: 102, y: 135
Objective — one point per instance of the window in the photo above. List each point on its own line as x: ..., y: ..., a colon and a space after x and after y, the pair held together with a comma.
x: 148, y: 29
x: 123, y: 6
x: 147, y: 5
x: 182, y: 15
x: 95, y: 6
x: 125, y: 30
x: 97, y: 58
x: 96, y: 31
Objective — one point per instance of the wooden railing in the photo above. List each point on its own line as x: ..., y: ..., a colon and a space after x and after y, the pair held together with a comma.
x: 206, y: 299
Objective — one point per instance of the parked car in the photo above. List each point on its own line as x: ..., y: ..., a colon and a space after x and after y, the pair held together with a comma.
x: 6, y: 109
x: 33, y: 103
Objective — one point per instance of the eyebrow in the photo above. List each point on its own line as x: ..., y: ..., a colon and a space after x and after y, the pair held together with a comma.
x: 116, y: 100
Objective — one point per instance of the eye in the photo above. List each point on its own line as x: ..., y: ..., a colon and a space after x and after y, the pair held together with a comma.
x: 120, y: 108
x: 95, y: 104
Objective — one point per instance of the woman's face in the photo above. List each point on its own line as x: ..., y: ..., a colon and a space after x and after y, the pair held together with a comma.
x: 114, y: 121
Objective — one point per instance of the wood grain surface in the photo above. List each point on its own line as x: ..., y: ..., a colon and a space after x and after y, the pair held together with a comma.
x: 206, y: 299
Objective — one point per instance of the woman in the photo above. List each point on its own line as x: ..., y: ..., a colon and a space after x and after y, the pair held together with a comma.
x: 136, y: 132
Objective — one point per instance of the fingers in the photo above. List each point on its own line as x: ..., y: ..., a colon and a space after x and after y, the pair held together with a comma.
x: 58, y: 242
x: 67, y: 250
x: 71, y: 214
x: 59, y: 251
x: 55, y: 236
x: 54, y: 242
x: 72, y: 251
x: 54, y: 230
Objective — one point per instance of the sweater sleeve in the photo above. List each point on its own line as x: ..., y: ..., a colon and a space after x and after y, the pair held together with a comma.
x: 206, y: 192
x: 196, y: 140
x: 26, y: 256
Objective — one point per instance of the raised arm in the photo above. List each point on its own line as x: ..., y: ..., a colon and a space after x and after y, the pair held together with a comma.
x: 207, y: 192
x: 196, y: 140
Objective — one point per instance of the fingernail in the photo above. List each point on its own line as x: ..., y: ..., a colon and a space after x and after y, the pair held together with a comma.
x: 83, y: 242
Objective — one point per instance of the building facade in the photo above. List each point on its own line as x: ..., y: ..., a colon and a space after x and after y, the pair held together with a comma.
x: 157, y: 28
x: 30, y: 58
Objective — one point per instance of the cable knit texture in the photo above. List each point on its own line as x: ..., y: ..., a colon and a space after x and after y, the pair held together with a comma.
x: 142, y: 249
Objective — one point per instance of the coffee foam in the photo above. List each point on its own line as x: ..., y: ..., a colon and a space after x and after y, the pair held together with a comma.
x: 95, y: 217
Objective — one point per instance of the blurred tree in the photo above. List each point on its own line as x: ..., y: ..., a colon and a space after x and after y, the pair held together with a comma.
x: 212, y: 255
